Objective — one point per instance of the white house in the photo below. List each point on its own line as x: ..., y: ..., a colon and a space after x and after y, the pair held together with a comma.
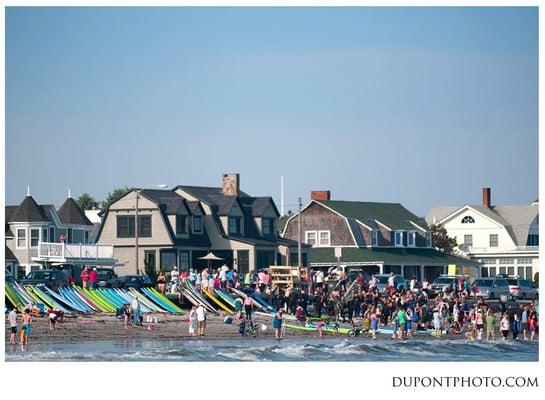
x: 504, y: 239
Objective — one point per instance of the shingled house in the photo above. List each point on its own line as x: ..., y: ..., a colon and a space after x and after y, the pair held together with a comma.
x: 30, y: 224
x: 178, y: 226
x: 378, y: 237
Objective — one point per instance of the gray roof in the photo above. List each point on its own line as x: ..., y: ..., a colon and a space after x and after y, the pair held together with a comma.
x: 516, y: 219
x: 170, y: 202
x: 70, y: 213
x: 29, y: 211
x: 9, y: 255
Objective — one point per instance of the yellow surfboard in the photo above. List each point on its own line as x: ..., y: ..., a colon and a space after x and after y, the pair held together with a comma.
x: 217, y: 302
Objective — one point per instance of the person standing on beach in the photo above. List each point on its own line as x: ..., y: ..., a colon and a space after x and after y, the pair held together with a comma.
x: 12, y: 318
x: 204, y: 280
x: 25, y: 328
x: 85, y: 277
x: 135, y: 308
x: 490, y: 325
x: 201, y: 319
x: 277, y: 324
x: 524, y: 320
x: 504, y: 326
x: 192, y: 320
x: 532, y: 325
x: 248, y: 307
x: 126, y: 315
x: 161, y: 282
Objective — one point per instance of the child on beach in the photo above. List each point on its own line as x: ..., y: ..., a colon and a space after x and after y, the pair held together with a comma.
x: 504, y: 326
x: 25, y: 328
x: 374, y: 324
x: 192, y: 321
x: 277, y: 324
x: 490, y: 325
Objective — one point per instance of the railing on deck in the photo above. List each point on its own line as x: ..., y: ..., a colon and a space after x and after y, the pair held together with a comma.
x: 79, y: 251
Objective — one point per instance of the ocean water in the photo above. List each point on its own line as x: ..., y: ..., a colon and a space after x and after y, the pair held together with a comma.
x: 328, y: 349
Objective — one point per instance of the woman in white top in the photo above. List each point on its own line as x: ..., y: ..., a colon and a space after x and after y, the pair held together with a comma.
x: 192, y: 321
x: 504, y: 326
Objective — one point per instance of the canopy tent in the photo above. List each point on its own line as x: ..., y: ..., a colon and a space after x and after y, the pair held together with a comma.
x: 211, y: 257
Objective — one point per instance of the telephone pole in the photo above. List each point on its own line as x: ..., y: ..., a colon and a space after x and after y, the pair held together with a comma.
x: 299, y: 238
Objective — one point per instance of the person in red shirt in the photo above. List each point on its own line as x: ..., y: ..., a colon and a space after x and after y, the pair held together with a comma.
x: 85, y: 277
x: 93, y: 278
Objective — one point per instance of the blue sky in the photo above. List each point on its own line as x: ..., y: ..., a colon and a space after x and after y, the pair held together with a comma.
x: 421, y: 106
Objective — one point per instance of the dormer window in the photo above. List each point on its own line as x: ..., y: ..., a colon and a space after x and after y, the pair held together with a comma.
x: 375, y: 238
x: 181, y: 225
x: 197, y: 224
x: 411, y: 239
x: 468, y: 219
x: 267, y: 226
x: 235, y: 225
x: 398, y: 238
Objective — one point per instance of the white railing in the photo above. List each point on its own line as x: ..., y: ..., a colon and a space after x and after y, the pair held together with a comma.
x: 78, y: 251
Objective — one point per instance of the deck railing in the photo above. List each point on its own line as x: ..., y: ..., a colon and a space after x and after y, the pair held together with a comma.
x: 75, y: 251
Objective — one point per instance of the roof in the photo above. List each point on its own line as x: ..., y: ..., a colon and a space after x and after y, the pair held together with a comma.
x: 203, y: 193
x: 29, y: 211
x: 393, y: 215
x: 516, y: 219
x: 10, y: 255
x: 171, y: 202
x: 387, y: 255
x: 70, y: 213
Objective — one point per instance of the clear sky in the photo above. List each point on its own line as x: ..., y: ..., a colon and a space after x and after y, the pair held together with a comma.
x: 421, y: 106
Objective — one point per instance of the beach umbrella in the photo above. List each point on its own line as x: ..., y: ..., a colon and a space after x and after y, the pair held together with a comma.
x: 210, y: 257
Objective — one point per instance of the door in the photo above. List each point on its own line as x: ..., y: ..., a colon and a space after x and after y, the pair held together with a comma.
x: 243, y: 258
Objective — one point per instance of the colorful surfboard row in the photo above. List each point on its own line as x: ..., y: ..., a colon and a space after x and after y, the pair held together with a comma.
x: 75, y: 299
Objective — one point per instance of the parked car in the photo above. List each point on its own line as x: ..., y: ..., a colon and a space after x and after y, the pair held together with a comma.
x: 443, y: 283
x: 131, y: 281
x: 522, y: 289
x: 105, y: 277
x: 490, y: 288
x: 52, y: 278
x: 383, y: 282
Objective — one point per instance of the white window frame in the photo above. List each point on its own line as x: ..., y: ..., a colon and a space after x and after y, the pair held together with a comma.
x: 429, y: 239
x: 490, y: 240
x: 30, y: 237
x: 44, y: 237
x: 375, y: 238
x: 201, y: 219
x: 400, y: 244
x: 315, y: 237
x: 319, y: 239
x: 17, y: 238
x: 471, y: 236
x: 411, y: 235
x: 268, y: 221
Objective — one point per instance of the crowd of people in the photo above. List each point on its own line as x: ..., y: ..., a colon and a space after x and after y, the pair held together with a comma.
x: 365, y: 307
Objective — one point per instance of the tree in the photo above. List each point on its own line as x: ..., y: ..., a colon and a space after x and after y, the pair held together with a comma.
x: 441, y: 240
x: 114, y: 196
x: 86, y: 202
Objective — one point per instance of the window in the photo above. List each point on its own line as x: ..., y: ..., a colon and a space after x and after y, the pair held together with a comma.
x: 324, y: 238
x: 197, y: 223
x: 411, y: 239
x: 44, y: 235
x: 181, y: 227
x: 492, y: 272
x: 184, y: 260
x: 503, y: 270
x: 149, y: 258
x: 468, y: 219
x: 144, y: 226
x: 525, y: 260
x: 52, y: 234
x: 375, y: 238
x: 506, y: 261
x: 529, y: 274
x: 125, y: 226
x: 468, y: 240
x: 533, y: 240
x: 310, y: 237
x: 34, y: 237
x: 398, y: 238
x: 493, y: 240
x: 267, y: 226
x: 520, y: 272
x: 511, y: 271
x: 234, y: 225
x: 21, y: 238
x: 86, y: 236
x: 69, y: 235
x: 429, y: 238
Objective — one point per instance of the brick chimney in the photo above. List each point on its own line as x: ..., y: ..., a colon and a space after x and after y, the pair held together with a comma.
x: 486, y: 197
x: 320, y: 195
x: 231, y: 184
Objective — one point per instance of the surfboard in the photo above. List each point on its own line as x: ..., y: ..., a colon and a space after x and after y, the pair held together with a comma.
x: 216, y: 301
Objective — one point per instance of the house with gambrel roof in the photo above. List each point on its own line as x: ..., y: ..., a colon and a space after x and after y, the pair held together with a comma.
x: 503, y: 239
x: 178, y: 226
x: 378, y: 237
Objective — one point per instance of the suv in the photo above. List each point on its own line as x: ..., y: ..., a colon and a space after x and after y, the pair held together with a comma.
x: 105, y: 276
x: 521, y: 289
x: 383, y: 282
x: 490, y: 288
x: 52, y: 278
x: 443, y: 283
x: 131, y: 281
